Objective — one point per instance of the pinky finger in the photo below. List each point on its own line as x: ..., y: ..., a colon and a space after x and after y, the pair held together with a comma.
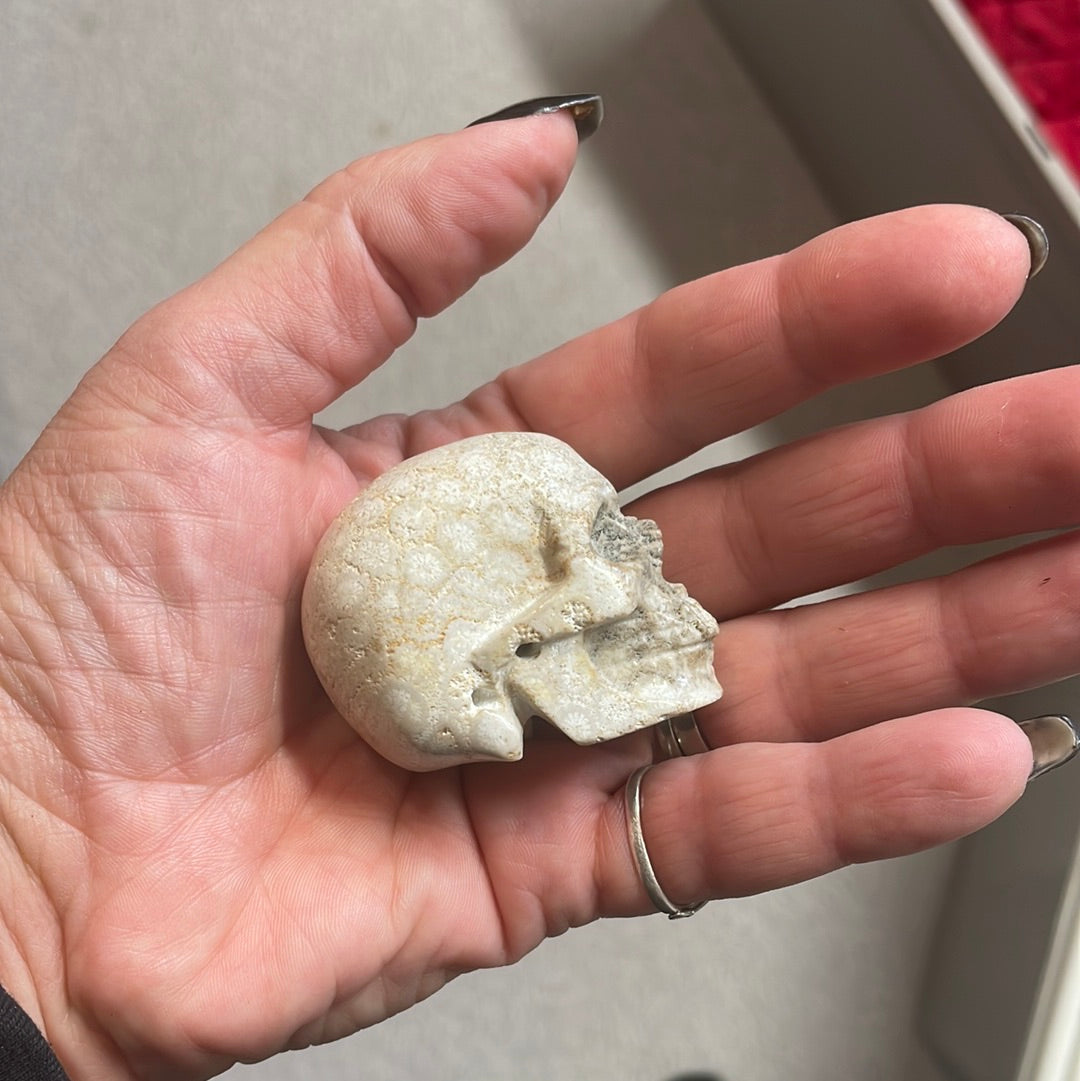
x: 754, y: 817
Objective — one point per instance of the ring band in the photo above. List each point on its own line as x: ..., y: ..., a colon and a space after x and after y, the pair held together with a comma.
x: 644, y: 865
x: 680, y: 736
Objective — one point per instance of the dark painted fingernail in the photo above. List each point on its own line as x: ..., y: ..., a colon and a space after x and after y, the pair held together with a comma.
x: 587, y: 111
x: 1054, y: 740
x: 1035, y: 235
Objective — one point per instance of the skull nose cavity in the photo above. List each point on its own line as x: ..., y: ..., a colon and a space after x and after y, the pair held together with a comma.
x: 528, y: 650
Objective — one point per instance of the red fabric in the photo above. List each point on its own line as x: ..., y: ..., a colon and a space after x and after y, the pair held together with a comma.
x: 1038, y: 42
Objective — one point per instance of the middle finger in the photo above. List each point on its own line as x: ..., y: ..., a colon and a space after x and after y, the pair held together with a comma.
x: 993, y: 462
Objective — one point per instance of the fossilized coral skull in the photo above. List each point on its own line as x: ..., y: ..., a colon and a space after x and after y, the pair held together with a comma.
x: 493, y: 580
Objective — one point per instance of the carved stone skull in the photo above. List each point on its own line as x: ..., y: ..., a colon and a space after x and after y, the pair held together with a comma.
x: 489, y: 581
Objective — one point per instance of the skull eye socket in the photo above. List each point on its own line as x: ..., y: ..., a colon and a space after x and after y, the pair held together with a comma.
x: 528, y: 650
x: 618, y: 538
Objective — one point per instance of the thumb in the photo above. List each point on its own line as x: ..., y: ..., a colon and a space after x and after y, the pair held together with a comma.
x: 324, y: 294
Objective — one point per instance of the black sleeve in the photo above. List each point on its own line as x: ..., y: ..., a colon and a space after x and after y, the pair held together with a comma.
x: 24, y: 1053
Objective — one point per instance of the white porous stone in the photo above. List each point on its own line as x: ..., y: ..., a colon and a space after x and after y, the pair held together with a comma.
x: 490, y: 581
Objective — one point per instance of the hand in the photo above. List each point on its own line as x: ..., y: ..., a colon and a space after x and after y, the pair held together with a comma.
x: 202, y: 863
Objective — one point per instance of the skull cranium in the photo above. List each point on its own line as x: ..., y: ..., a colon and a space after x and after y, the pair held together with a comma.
x: 492, y: 580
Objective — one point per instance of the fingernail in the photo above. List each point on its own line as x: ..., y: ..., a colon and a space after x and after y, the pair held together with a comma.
x: 1035, y: 235
x: 1054, y: 740
x: 587, y: 111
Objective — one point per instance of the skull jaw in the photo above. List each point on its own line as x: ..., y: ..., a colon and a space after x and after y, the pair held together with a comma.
x: 563, y: 684
x: 451, y: 739
x: 590, y: 705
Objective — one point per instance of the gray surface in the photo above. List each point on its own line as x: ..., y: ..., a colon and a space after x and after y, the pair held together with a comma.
x: 921, y: 128
x: 994, y: 936
x: 142, y: 142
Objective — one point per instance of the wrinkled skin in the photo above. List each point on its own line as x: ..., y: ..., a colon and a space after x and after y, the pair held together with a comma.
x: 203, y: 863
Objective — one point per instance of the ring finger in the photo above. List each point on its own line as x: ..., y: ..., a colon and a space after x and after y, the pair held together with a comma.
x: 788, y: 813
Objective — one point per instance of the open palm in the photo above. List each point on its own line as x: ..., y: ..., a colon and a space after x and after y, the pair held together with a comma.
x: 211, y: 866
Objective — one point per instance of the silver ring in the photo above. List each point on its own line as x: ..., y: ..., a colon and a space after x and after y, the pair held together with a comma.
x: 644, y: 865
x: 680, y: 736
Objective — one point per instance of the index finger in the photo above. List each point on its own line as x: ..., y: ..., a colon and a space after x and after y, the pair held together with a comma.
x: 716, y: 356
